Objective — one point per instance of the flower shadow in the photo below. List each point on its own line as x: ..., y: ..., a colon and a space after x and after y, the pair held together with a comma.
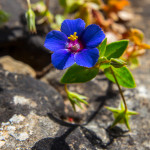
x: 57, y: 143
x: 60, y: 142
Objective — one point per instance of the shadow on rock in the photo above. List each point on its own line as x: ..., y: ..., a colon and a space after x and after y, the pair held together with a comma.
x: 83, y: 133
x: 57, y: 143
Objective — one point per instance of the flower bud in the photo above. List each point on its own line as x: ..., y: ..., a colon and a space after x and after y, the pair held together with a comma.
x: 30, y: 16
x: 117, y: 63
x: 76, y: 99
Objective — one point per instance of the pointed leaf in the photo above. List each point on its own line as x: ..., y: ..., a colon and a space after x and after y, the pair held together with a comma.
x: 123, y: 76
x: 132, y: 112
x: 126, y: 121
x: 78, y: 74
x: 73, y: 105
x: 74, y: 101
x: 115, y: 110
x: 116, y: 49
x: 118, y: 119
x: 78, y: 97
x: 122, y: 106
x: 102, y: 47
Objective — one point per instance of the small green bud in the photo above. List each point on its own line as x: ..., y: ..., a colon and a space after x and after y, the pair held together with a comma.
x: 76, y: 99
x: 117, y: 63
x: 30, y: 16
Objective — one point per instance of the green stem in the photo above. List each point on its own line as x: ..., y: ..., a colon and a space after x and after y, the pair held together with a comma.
x: 29, y: 4
x: 66, y: 89
x: 121, y: 93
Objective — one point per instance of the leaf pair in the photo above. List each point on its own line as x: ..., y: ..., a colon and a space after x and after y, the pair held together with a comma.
x: 112, y: 52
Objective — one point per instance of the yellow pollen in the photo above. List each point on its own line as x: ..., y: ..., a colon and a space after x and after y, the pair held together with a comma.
x: 73, y: 37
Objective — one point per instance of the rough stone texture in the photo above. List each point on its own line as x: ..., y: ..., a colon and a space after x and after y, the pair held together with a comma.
x: 24, y: 104
x: 30, y: 120
x: 12, y: 65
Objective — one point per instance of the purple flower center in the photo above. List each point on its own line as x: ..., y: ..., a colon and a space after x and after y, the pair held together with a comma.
x: 73, y: 43
x: 74, y: 46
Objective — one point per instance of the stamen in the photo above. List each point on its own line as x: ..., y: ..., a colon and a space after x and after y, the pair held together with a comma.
x: 73, y: 37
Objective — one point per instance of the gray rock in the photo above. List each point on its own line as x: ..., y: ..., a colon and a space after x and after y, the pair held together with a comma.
x: 31, y: 113
x: 24, y: 105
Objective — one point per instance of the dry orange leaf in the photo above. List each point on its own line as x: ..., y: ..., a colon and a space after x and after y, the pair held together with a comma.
x: 116, y: 5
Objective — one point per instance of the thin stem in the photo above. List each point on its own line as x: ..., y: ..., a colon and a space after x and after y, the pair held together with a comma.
x: 29, y: 4
x: 66, y: 89
x: 119, y: 89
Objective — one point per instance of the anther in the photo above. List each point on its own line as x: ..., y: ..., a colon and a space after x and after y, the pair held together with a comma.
x: 73, y: 37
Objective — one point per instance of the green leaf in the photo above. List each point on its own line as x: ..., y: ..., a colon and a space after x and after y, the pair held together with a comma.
x: 4, y: 17
x: 116, y: 49
x: 76, y: 99
x: 78, y: 74
x: 62, y: 3
x: 123, y: 76
x: 114, y: 110
x: 132, y: 112
x: 126, y: 121
x: 118, y: 119
x: 102, y: 47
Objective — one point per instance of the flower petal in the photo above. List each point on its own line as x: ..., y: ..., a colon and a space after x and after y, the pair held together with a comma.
x: 92, y: 36
x: 55, y: 40
x: 87, y: 57
x: 62, y: 59
x: 70, y: 26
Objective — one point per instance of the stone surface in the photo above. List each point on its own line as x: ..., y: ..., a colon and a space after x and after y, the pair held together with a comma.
x: 31, y: 114
x: 12, y: 65
x: 24, y: 104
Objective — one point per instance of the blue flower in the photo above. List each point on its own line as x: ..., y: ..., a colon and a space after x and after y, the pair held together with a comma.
x: 74, y: 44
